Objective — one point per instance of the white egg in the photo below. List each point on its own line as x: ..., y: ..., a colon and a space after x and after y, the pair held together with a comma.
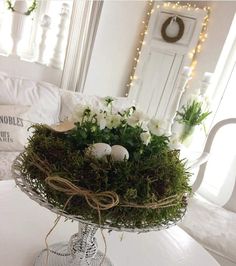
x: 99, y: 150
x: 119, y: 153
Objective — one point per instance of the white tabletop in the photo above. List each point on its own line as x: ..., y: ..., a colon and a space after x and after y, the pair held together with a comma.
x: 24, y: 225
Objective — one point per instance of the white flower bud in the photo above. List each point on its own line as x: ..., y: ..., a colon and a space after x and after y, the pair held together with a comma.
x: 157, y: 127
x: 137, y: 118
x: 145, y: 137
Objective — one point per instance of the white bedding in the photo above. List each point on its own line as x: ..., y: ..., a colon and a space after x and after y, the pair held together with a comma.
x: 44, y: 98
x: 6, y: 160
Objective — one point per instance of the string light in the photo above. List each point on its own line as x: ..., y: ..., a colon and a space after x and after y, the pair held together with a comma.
x: 202, y: 37
x: 168, y: 5
x: 150, y: 10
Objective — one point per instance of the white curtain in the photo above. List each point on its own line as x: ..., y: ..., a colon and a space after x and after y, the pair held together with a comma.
x: 83, y: 28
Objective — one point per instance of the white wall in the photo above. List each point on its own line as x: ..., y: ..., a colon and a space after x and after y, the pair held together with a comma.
x: 114, y: 47
x: 221, y: 17
x: 118, y: 35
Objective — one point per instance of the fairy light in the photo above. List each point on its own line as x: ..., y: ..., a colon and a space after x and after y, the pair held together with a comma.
x: 202, y: 37
x: 144, y: 32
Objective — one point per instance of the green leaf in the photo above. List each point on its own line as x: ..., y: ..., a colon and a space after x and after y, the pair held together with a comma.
x: 192, y: 114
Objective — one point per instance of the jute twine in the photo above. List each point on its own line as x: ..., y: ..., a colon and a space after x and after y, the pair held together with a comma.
x: 99, y: 201
x: 107, y: 199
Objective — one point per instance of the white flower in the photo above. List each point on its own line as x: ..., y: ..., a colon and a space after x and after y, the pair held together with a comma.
x: 157, y: 127
x: 89, y: 112
x: 101, y: 120
x: 145, y: 137
x: 174, y: 142
x: 144, y: 126
x: 195, y: 97
x: 113, y: 121
x: 82, y: 113
x: 137, y: 118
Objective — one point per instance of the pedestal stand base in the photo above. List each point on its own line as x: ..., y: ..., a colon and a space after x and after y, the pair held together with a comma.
x: 58, y: 256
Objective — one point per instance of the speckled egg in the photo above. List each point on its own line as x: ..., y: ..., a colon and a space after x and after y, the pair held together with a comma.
x: 119, y: 153
x: 99, y: 150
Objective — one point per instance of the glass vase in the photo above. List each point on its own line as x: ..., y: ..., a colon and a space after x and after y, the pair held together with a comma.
x: 186, y: 134
x: 81, y: 250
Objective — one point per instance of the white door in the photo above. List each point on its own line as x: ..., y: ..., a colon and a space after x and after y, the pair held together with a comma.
x: 161, y: 62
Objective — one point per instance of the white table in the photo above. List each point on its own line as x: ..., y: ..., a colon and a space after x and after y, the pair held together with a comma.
x: 24, y: 224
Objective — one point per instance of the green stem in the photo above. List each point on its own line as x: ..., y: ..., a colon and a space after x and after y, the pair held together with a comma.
x: 187, y: 132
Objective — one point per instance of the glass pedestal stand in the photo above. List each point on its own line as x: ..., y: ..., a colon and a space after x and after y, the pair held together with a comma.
x: 81, y: 250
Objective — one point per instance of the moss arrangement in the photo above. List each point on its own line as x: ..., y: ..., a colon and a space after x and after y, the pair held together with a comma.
x: 152, y: 173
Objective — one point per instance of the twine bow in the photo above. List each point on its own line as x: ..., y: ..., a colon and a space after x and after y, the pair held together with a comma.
x: 99, y: 201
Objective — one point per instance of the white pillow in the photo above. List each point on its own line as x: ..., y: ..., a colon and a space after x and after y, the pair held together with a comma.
x: 14, y: 126
x: 42, y: 96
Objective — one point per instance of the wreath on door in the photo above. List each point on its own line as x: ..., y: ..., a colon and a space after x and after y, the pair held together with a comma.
x: 180, y: 33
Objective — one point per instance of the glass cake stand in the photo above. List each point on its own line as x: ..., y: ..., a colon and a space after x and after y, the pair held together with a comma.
x: 81, y: 250
x: 82, y: 247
